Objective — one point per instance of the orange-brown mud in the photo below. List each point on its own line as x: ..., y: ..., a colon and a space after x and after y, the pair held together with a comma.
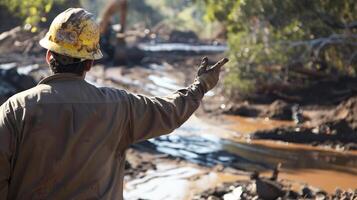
x: 246, y: 125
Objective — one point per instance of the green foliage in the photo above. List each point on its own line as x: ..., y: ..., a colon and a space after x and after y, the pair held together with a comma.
x: 148, y: 12
x: 32, y: 11
x: 175, y: 14
x: 180, y: 15
x: 270, y: 39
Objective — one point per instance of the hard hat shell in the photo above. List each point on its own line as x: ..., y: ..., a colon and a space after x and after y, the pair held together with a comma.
x: 74, y: 33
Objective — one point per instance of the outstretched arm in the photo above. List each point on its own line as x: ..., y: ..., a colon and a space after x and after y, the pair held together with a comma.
x: 154, y: 116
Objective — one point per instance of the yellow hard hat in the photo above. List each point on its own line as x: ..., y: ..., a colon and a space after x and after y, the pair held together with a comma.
x: 74, y: 33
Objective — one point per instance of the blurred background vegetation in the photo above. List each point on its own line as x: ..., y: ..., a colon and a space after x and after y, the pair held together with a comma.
x: 277, y: 43
x: 272, y: 43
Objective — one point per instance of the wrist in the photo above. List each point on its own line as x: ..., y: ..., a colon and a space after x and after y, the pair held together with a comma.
x: 202, y: 84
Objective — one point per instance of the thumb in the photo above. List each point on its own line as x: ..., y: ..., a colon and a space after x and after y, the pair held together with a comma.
x: 203, y: 66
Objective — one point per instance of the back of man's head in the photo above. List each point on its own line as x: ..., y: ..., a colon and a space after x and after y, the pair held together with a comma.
x: 65, y: 64
x: 72, y: 41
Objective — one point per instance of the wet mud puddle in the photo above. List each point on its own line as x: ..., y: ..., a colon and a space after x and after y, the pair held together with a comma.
x: 169, y: 181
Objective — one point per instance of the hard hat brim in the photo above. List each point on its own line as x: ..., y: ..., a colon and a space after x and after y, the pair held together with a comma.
x: 83, y: 54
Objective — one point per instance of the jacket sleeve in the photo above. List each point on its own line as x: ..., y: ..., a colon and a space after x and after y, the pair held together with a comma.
x: 154, y: 116
x: 6, y: 149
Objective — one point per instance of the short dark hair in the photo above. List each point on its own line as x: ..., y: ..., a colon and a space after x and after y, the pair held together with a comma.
x: 65, y: 64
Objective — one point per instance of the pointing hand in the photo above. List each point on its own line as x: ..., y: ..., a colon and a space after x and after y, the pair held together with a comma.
x: 208, y: 76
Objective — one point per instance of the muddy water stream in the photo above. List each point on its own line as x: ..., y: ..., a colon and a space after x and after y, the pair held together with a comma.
x: 301, y: 163
x: 228, y: 144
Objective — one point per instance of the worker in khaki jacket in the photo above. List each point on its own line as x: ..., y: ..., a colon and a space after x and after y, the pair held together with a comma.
x: 65, y: 138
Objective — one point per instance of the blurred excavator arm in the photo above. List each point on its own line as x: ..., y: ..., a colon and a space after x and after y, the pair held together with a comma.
x: 113, y: 7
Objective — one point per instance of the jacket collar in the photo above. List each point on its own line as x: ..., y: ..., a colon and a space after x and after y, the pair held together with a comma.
x: 60, y: 77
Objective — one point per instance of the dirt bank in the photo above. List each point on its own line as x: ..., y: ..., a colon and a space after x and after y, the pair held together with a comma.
x: 336, y: 127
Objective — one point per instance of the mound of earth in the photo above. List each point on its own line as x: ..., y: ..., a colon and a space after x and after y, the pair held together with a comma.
x: 279, y: 110
x: 346, y: 111
x: 244, y: 109
x: 338, y: 128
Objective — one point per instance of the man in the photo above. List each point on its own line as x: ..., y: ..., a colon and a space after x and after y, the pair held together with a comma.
x: 65, y: 138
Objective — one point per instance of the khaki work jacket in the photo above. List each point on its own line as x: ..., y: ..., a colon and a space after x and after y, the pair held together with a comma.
x: 66, y: 139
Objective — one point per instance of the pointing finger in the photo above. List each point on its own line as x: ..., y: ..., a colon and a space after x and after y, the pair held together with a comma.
x: 219, y: 64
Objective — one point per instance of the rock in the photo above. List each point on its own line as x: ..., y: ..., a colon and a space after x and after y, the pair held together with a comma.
x: 127, y: 165
x: 347, y: 110
x: 234, y: 195
x: 269, y: 190
x: 213, y: 198
x: 342, y: 119
x: 338, y: 127
x: 219, y: 192
x: 290, y: 194
x: 278, y: 110
x: 242, y: 110
x: 307, y: 192
x: 321, y: 195
x: 337, y: 194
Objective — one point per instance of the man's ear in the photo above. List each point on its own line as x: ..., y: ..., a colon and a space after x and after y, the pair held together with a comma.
x: 88, y: 65
x: 48, y: 56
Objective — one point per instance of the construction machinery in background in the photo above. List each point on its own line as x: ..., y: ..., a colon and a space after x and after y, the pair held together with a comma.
x: 123, y: 47
x: 113, y: 37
